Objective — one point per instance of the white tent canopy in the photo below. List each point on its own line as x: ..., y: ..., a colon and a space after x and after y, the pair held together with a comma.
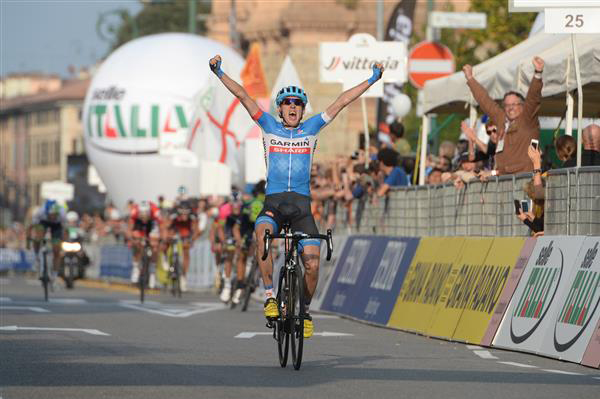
x: 512, y: 70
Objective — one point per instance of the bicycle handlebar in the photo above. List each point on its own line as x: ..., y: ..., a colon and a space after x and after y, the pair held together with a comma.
x: 297, y: 236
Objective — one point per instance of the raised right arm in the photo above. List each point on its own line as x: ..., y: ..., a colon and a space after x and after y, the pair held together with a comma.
x: 235, y: 88
x: 487, y: 104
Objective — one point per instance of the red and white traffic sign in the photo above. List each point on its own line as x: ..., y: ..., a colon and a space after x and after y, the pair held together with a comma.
x: 429, y: 60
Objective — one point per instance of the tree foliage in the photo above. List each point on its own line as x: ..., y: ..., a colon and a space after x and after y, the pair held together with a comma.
x: 155, y: 17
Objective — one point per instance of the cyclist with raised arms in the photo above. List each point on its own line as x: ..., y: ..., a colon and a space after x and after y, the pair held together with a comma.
x: 289, y: 146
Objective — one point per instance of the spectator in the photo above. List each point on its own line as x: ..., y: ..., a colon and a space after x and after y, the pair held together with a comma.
x: 399, y: 143
x: 486, y: 151
x: 566, y: 150
x: 590, y: 156
x: 447, y: 150
x: 517, y: 121
x: 435, y: 176
x: 395, y: 176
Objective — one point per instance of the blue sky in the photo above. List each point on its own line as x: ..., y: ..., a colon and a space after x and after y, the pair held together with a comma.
x: 49, y: 35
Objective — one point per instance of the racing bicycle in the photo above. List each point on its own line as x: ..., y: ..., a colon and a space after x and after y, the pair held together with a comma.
x: 175, y: 265
x: 289, y: 326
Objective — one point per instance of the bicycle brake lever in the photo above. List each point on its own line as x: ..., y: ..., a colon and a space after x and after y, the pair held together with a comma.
x: 266, y: 244
x: 329, y: 245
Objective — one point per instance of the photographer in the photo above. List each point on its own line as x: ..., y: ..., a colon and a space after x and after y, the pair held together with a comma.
x: 534, y: 217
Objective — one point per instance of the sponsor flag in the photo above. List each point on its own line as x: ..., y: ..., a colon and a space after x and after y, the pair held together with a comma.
x: 253, y: 76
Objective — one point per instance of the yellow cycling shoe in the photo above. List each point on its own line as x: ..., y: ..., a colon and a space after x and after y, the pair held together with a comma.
x: 308, y: 326
x: 271, y: 310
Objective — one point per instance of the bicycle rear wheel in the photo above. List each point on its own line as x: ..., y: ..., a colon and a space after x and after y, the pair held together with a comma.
x: 281, y: 332
x: 296, y: 314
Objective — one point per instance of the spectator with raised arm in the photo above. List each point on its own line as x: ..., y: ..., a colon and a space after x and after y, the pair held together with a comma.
x: 517, y: 121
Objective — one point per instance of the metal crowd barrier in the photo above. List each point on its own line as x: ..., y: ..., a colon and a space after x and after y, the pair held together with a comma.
x: 572, y: 207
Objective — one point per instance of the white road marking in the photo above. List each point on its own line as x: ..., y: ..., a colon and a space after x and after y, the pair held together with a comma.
x: 527, y: 366
x: 67, y: 301
x: 561, y: 372
x: 83, y: 330
x: 485, y: 355
x: 596, y: 378
x: 32, y: 308
x: 251, y: 334
x: 173, y: 311
x: 4, y: 281
x: 474, y: 347
x: 321, y: 334
x: 5, y: 299
x: 324, y: 316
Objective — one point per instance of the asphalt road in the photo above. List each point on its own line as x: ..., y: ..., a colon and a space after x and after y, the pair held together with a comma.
x: 187, y: 348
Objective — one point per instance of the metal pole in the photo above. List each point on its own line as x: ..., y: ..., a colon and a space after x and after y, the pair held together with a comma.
x: 579, y: 99
x: 423, y: 153
x: 192, y: 16
x: 380, y: 20
x: 233, y: 33
x: 366, y: 127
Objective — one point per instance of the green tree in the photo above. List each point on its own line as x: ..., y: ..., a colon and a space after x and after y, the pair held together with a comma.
x: 157, y: 16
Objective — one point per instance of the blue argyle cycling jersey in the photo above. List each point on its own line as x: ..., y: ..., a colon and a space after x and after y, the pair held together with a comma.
x: 289, y: 152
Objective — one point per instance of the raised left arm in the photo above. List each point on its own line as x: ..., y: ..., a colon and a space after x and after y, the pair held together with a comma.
x: 352, y: 94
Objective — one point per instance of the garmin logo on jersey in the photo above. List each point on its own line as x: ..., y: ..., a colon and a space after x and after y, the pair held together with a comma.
x: 303, y: 143
x: 361, y: 63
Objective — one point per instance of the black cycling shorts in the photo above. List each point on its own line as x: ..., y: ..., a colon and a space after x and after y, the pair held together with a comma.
x: 304, y: 222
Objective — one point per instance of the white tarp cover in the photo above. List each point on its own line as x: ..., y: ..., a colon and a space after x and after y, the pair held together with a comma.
x: 512, y: 70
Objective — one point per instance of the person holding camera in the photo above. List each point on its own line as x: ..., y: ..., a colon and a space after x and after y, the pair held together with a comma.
x: 516, y: 121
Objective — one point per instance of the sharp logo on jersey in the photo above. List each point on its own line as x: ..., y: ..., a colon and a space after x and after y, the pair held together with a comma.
x: 303, y: 143
x: 285, y: 150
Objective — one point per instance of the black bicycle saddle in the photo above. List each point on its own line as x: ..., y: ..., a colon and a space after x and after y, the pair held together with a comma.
x: 289, y: 211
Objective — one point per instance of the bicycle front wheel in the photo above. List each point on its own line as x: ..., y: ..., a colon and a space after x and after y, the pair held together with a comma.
x: 144, y: 277
x: 296, y: 314
x: 281, y: 332
x: 45, y: 276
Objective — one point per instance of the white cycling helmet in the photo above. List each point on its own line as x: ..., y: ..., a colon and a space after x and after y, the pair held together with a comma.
x: 144, y: 208
x: 72, y: 217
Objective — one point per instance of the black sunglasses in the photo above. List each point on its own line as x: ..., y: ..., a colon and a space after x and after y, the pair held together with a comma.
x: 296, y: 101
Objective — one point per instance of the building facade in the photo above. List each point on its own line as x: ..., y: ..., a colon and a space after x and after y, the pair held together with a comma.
x: 295, y: 28
x: 38, y: 131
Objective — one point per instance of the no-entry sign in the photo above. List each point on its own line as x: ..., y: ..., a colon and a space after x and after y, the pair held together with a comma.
x: 429, y: 60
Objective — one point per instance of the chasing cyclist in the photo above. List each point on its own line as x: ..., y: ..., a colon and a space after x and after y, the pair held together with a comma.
x: 49, y: 217
x: 289, y: 146
x: 182, y: 223
x: 144, y: 224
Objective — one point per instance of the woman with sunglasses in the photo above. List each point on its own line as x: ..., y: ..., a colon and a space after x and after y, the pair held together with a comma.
x: 289, y: 147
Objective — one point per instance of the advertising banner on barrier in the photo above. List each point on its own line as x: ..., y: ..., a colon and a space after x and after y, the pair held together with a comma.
x: 378, y: 287
x: 511, y: 284
x: 115, y: 261
x: 535, y: 302
x: 350, y: 271
x: 591, y: 357
x: 424, y: 282
x: 568, y: 335
x: 16, y: 259
x: 202, y: 266
x: 487, y: 284
x: 460, y: 288
x: 326, y: 270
